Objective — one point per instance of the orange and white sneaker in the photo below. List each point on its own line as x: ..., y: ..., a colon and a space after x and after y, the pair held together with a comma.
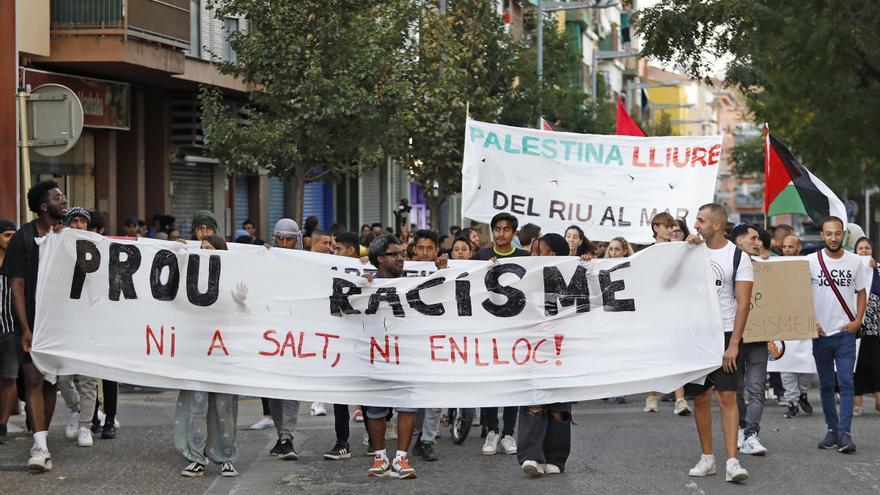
x: 400, y: 467
x: 380, y: 467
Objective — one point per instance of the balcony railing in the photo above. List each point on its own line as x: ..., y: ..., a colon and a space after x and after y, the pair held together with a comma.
x: 161, y: 21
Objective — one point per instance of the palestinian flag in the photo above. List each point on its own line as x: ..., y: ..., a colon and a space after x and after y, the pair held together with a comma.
x: 790, y: 188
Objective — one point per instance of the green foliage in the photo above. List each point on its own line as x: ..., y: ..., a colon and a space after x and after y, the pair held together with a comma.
x: 329, y: 77
x: 811, y: 69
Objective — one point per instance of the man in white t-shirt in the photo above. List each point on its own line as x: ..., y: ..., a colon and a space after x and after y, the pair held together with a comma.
x: 733, y: 281
x: 840, y: 306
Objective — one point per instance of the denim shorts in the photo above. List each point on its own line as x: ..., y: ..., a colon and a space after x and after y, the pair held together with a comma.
x: 373, y: 412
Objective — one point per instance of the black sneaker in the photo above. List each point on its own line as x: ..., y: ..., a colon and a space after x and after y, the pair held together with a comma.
x: 845, y: 443
x: 286, y: 452
x: 227, y: 470
x: 426, y: 451
x: 830, y: 440
x: 371, y: 451
x: 193, y: 470
x: 339, y: 451
x: 96, y: 428
x: 3, y: 434
x: 276, y: 449
x: 792, y: 410
x: 805, y: 404
x: 108, y: 431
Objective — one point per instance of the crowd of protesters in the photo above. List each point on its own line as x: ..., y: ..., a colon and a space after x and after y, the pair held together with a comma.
x: 845, y: 287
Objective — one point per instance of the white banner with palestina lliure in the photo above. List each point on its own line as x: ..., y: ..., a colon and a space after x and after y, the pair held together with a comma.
x: 289, y: 324
x: 608, y: 185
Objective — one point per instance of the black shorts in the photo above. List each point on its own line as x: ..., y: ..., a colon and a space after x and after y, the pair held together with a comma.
x: 720, y: 380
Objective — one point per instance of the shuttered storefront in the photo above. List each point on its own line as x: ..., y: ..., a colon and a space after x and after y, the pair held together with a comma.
x: 242, y: 203
x: 192, y: 189
x: 371, y: 199
x: 276, y: 202
x: 313, y: 202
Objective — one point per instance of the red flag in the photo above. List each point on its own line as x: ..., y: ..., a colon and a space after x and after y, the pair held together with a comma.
x: 626, y: 126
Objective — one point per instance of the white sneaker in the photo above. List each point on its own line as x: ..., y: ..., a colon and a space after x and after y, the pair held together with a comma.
x: 740, y: 437
x: 40, y: 460
x: 508, y: 444
x: 390, y: 431
x: 72, y: 425
x: 491, y: 445
x: 734, y: 472
x: 752, y: 446
x: 551, y: 469
x: 652, y: 404
x: 705, y: 467
x: 366, y: 439
x: 262, y: 424
x: 681, y: 407
x: 531, y: 468
x: 358, y: 416
x: 101, y: 417
x: 318, y: 409
x: 84, y: 437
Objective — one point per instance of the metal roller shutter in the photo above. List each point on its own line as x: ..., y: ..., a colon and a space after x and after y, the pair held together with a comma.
x: 276, y: 201
x: 192, y: 189
x: 313, y: 202
x: 372, y: 197
x: 242, y: 202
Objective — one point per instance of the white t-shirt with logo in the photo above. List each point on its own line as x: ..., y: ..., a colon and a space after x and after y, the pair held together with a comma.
x: 722, y: 269
x: 851, y: 273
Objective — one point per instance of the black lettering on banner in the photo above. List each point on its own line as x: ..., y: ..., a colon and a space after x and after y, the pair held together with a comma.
x: 208, y: 297
x: 577, y: 292
x: 496, y: 196
x: 386, y: 294
x: 463, y: 295
x: 609, y: 287
x: 84, y: 265
x: 121, y: 271
x: 516, y: 300
x: 416, y: 303
x: 167, y: 291
x: 339, y: 303
x: 557, y: 207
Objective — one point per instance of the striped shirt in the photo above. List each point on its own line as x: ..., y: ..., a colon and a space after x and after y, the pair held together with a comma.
x: 7, y: 312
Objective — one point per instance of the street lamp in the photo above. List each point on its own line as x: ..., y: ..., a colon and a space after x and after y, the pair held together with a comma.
x: 554, y: 6
x: 605, y: 55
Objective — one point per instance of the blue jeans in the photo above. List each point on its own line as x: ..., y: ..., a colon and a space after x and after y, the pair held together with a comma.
x: 839, y: 349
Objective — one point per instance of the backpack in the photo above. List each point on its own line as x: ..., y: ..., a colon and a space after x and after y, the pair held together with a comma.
x: 737, y: 255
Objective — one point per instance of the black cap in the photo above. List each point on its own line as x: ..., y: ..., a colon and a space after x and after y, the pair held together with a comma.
x: 7, y: 225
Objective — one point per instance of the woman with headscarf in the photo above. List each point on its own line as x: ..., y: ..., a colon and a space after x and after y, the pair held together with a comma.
x: 867, y: 375
x: 204, y: 426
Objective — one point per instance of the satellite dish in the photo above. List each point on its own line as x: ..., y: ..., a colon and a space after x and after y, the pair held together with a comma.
x: 54, y: 119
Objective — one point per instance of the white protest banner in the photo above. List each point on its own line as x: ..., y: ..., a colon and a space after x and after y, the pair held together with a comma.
x: 793, y: 356
x: 276, y: 323
x: 608, y: 185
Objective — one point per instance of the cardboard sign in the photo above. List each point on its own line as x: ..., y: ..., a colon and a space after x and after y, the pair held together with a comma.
x: 782, y: 302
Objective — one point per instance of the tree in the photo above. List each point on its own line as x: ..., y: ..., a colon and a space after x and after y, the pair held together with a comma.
x: 464, y: 59
x: 329, y: 77
x: 562, y: 98
x: 811, y: 69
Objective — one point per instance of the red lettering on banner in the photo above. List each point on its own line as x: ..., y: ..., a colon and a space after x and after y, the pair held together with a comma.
x: 289, y: 342
x: 651, y: 161
x: 699, y: 157
x: 384, y: 353
x: 558, y: 340
x: 159, y: 343
x: 327, y: 337
x: 714, y: 153
x: 267, y: 336
x: 214, y: 345
x: 495, y: 359
x: 477, y: 353
x: 528, y: 351
x: 453, y: 348
x: 636, y: 162
x: 299, y: 348
x: 396, y: 351
x: 535, y: 352
x: 435, y: 348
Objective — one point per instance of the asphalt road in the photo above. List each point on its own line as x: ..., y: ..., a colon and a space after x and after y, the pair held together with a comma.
x: 615, y: 449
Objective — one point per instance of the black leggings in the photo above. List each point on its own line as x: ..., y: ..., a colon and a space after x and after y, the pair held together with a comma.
x: 111, y: 398
x: 266, y: 411
x: 340, y: 418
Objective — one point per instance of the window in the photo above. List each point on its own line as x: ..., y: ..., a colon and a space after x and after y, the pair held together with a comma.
x: 228, y: 52
x: 195, y: 28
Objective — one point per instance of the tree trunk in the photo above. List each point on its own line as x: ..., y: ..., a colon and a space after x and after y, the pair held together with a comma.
x: 434, y: 204
x: 299, y: 188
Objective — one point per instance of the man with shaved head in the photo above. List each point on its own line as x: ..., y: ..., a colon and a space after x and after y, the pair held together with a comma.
x: 791, y: 245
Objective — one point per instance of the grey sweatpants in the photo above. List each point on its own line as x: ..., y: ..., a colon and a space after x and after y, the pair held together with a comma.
x: 79, y: 393
x: 431, y: 425
x: 750, y: 393
x: 795, y: 384
x: 285, y: 414
x: 204, y: 427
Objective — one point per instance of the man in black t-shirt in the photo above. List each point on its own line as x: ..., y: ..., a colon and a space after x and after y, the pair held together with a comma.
x: 21, y: 265
x: 504, y: 227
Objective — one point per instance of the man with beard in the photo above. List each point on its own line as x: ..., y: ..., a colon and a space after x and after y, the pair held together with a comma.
x: 21, y: 265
